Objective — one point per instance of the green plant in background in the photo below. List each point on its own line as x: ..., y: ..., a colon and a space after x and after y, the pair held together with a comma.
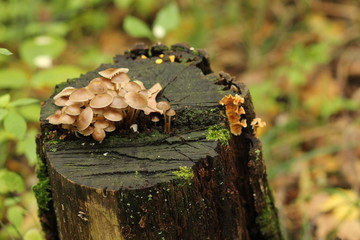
x: 166, y: 20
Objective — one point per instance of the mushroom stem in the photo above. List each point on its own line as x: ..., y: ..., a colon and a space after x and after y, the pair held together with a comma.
x: 129, y: 117
x: 167, y: 124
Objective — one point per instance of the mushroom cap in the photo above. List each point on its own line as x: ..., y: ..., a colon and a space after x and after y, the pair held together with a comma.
x: 101, y: 100
x: 101, y: 123
x: 98, y: 134
x: 111, y: 72
x: 155, y: 89
x: 122, y: 92
x: 73, y: 110
x: 171, y: 112
x: 163, y: 105
x: 110, y: 128
x: 120, y: 78
x: 54, y: 118
x: 119, y: 102
x: 112, y: 92
x: 144, y: 92
x: 236, y: 128
x: 61, y: 101
x: 136, y: 100
x: 155, y: 119
x: 98, y: 111
x: 140, y: 83
x: 81, y: 95
x: 84, y: 119
x: 106, y: 81
x: 132, y: 87
x: 97, y: 86
x: 67, y: 119
x: 113, y: 115
x: 65, y: 92
x: 87, y: 131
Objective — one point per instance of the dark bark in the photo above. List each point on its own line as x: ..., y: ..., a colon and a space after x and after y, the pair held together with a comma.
x: 126, y: 188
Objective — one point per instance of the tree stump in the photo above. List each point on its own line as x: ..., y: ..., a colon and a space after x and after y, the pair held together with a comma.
x: 151, y: 185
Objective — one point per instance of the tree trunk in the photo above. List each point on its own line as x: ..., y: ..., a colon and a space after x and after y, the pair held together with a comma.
x: 151, y: 185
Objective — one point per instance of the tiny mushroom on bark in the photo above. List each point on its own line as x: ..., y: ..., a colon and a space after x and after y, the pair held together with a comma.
x: 169, y: 114
x: 257, y: 123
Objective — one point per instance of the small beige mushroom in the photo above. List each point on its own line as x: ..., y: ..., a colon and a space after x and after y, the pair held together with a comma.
x: 74, y: 109
x: 119, y: 102
x: 163, y: 105
x: 97, y: 86
x: 132, y: 87
x: 155, y: 89
x: 101, y: 123
x: 155, y: 119
x: 113, y: 115
x: 98, y: 111
x: 101, y: 100
x: 120, y: 80
x: 111, y: 72
x: 81, y: 95
x: 61, y: 101
x: 65, y: 92
x: 168, y: 115
x: 67, y: 119
x: 111, y: 127
x: 84, y: 119
x: 136, y: 103
x: 136, y: 100
x: 54, y: 118
x: 98, y: 134
x: 87, y: 131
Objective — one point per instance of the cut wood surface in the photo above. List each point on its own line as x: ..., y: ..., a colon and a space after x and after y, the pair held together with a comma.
x: 129, y: 186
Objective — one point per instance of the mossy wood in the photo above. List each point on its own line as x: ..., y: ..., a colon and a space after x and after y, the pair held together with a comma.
x: 150, y: 185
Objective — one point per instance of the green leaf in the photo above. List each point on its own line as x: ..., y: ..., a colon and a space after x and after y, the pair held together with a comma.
x: 168, y: 17
x: 28, y: 146
x: 12, y: 78
x: 30, y: 112
x: 10, y: 182
x: 23, y: 102
x: 15, y: 215
x: 51, y: 77
x: 4, y: 51
x: 4, y: 100
x: 123, y: 3
x: 33, y: 234
x: 3, y: 113
x: 136, y: 27
x: 39, y: 50
x: 15, y: 124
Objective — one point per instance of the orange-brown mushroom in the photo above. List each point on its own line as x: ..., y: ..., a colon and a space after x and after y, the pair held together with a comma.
x: 101, y: 100
x: 84, y: 119
x: 81, y: 95
x: 114, y: 115
x: 98, y: 134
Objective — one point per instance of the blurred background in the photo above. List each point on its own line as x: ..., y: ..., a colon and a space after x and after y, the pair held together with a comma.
x: 300, y: 59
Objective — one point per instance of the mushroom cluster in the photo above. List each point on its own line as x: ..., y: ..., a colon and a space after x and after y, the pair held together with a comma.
x: 234, y: 110
x: 107, y: 102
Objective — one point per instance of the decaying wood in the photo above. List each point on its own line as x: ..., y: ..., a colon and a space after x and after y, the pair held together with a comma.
x: 125, y: 187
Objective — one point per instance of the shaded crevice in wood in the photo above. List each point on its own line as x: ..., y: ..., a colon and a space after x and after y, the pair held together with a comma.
x: 125, y: 187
